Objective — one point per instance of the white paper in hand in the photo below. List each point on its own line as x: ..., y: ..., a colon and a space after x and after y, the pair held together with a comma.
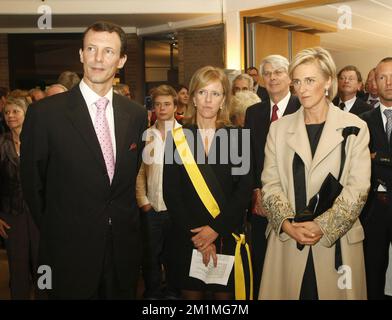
x: 210, y: 274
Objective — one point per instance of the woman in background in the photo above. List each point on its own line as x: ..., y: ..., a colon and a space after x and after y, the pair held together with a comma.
x: 16, y: 225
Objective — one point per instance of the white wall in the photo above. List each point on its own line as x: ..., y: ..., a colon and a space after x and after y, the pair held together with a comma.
x: 364, y: 60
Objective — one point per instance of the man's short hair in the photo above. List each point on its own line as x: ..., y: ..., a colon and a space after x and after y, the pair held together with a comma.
x: 351, y: 68
x: 277, y: 62
x: 164, y: 90
x: 68, y: 79
x: 106, y: 26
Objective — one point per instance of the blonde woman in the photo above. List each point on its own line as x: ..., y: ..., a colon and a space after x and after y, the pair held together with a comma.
x: 238, y: 105
x: 320, y: 258
x: 16, y: 224
x: 211, y: 139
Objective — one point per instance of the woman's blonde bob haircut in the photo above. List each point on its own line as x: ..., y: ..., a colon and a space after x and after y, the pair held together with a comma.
x: 201, y: 78
x: 324, y: 60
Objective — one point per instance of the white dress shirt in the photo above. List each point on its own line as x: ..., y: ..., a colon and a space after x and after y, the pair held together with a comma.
x: 370, y: 98
x: 282, y: 105
x: 348, y: 104
x: 149, y: 180
x: 90, y: 97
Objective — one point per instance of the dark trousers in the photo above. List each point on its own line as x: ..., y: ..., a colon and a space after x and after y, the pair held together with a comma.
x: 258, y: 246
x: 22, y: 252
x: 155, y: 228
x: 378, y: 236
x: 108, y: 287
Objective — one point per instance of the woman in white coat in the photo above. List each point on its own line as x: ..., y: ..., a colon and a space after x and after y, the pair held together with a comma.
x: 301, y: 257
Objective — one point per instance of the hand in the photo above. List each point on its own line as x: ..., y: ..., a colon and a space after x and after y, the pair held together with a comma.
x: 310, y: 226
x: 257, y: 204
x: 209, y: 252
x: 204, y: 237
x: 3, y: 226
x: 302, y: 234
x: 373, y: 155
x: 146, y: 207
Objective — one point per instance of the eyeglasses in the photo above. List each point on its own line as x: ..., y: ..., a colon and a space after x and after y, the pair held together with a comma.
x: 276, y: 73
x: 205, y: 93
x: 309, y: 82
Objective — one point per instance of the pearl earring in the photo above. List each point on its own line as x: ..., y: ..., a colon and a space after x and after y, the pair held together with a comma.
x: 326, y: 92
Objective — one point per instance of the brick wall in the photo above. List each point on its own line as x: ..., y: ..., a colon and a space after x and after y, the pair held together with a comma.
x: 198, y: 48
x: 4, y: 72
x: 134, y: 67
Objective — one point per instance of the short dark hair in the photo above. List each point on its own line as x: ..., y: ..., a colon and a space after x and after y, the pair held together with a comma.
x: 386, y: 59
x: 102, y: 26
x: 351, y: 68
x: 252, y: 68
x: 180, y: 86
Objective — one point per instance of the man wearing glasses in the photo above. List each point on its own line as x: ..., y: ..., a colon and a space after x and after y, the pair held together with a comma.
x: 281, y: 102
x: 349, y: 83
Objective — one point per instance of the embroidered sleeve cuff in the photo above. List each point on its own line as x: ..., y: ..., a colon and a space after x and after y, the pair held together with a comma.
x: 277, y: 210
x: 338, y: 220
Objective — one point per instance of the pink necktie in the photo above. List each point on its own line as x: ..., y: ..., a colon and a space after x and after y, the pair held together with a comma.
x: 103, y: 134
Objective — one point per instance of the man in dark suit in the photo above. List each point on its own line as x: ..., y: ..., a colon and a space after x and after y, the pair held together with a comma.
x: 258, y: 118
x: 349, y: 83
x: 259, y: 90
x: 80, y: 155
x: 371, y: 96
x: 377, y: 214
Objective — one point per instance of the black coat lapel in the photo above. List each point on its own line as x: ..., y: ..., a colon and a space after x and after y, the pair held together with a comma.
x: 377, y: 127
x: 292, y: 106
x: 80, y: 117
x: 121, y: 126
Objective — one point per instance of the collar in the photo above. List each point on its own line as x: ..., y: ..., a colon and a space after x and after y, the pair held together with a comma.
x: 382, y: 108
x: 91, y: 96
x: 282, y: 104
x: 349, y: 103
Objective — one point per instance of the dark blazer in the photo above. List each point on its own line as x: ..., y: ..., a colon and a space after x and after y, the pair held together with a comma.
x: 262, y: 93
x: 375, y: 216
x: 257, y: 119
x: 381, y: 170
x: 358, y: 107
x: 68, y: 191
x: 186, y: 210
x: 11, y: 196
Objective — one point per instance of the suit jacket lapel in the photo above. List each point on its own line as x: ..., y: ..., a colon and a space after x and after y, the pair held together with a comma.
x: 298, y: 139
x: 355, y: 107
x: 121, y: 125
x: 331, y: 136
x: 80, y: 117
x: 378, y: 128
x: 292, y: 106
